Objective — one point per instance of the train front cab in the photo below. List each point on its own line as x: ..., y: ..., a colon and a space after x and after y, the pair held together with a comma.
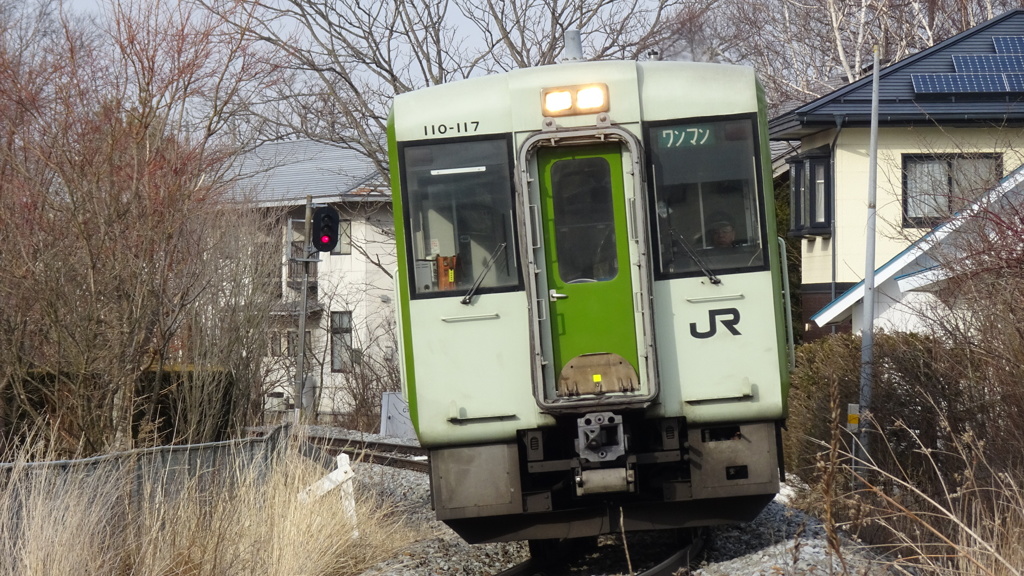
x: 654, y: 354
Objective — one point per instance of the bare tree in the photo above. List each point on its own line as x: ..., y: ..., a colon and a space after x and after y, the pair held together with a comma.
x: 117, y: 144
x: 350, y: 58
x: 803, y: 50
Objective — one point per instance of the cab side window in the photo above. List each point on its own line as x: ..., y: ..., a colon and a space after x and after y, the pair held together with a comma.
x: 458, y: 201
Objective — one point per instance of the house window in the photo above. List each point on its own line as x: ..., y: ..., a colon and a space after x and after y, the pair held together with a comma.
x: 936, y: 187
x: 811, y: 194
x: 274, y: 343
x: 293, y: 344
x: 341, y: 341
x: 344, y: 246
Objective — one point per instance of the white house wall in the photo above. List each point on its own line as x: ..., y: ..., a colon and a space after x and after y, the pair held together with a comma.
x: 355, y: 283
x: 817, y: 252
x: 350, y: 282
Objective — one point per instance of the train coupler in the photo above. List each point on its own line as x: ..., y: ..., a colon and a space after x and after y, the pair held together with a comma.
x: 600, y: 437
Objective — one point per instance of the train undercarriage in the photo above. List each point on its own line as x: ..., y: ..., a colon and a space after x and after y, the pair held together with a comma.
x: 604, y: 472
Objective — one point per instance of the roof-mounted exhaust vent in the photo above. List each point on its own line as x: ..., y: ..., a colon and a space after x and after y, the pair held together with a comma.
x: 573, y: 46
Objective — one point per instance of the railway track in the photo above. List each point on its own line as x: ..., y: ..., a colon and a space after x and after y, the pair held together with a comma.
x: 375, y: 452
x: 393, y: 454
x: 574, y: 563
x: 570, y: 560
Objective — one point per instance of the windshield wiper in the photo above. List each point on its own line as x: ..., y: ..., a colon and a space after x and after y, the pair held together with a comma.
x: 480, y: 277
x: 698, y: 260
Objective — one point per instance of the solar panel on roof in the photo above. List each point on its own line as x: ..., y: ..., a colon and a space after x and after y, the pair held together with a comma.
x: 988, y: 63
x: 1014, y: 82
x: 957, y: 83
x: 1009, y: 44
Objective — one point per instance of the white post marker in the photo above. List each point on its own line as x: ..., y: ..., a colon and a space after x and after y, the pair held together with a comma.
x: 341, y: 476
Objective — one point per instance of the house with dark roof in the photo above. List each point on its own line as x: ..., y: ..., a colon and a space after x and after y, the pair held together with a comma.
x: 951, y: 126
x: 348, y: 324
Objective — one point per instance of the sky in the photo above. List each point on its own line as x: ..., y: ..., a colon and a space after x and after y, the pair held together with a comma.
x: 84, y: 5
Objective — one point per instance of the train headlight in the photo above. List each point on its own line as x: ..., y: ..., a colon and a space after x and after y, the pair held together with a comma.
x: 571, y: 100
x: 591, y: 99
x: 557, y: 102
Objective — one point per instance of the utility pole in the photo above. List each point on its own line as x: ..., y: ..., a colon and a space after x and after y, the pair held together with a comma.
x: 321, y: 235
x: 300, y: 365
x: 868, y: 327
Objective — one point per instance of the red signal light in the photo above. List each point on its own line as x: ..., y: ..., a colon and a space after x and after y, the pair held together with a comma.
x: 325, y: 228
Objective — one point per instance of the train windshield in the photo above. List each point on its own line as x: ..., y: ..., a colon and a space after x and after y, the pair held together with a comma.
x: 459, y: 205
x: 707, y: 209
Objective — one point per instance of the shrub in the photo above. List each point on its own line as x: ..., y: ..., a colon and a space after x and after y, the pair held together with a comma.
x: 942, y: 488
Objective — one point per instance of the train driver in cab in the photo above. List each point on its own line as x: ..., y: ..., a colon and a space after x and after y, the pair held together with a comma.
x: 721, y: 231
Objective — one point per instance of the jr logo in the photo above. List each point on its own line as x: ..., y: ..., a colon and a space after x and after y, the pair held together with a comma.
x: 730, y: 317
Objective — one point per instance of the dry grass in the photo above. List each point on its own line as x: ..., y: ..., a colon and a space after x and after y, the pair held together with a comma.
x: 84, y: 523
x: 971, y: 526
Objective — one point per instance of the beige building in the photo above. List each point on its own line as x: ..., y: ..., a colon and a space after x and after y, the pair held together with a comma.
x: 951, y: 126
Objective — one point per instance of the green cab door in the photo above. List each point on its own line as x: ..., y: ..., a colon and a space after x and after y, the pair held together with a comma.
x: 587, y: 265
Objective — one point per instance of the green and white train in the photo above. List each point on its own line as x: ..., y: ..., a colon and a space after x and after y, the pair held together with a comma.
x: 591, y: 305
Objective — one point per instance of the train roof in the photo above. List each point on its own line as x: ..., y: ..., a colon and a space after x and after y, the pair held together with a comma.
x: 638, y: 91
x: 544, y: 74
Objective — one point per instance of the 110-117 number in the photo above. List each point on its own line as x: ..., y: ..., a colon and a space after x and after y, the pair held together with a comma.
x: 456, y: 128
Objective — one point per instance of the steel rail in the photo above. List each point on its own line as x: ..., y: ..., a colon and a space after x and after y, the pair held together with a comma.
x: 680, y: 559
x: 383, y: 453
x: 393, y: 454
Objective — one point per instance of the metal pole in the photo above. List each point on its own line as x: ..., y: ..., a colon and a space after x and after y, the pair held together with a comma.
x: 868, y: 329
x: 300, y: 367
